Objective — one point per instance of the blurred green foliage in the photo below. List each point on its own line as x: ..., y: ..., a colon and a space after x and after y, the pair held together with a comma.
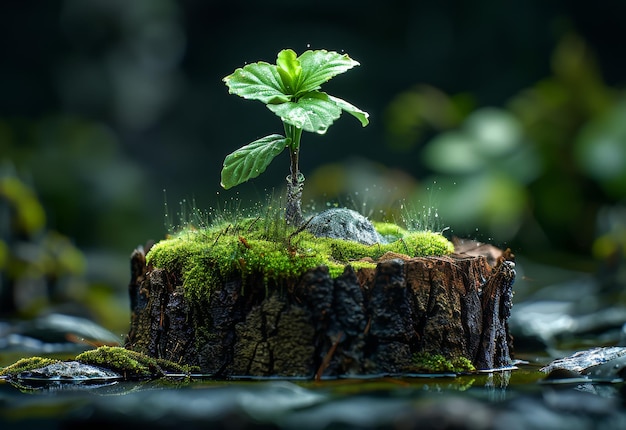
x: 37, y: 266
x: 77, y: 166
x: 535, y: 173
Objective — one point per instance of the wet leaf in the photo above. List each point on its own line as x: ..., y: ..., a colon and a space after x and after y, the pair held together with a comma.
x: 258, y: 81
x: 320, y: 66
x: 251, y: 160
x: 289, y: 69
x: 352, y: 110
x: 314, y: 112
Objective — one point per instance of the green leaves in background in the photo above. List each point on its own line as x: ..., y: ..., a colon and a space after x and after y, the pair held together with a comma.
x: 600, y: 150
x: 251, y: 160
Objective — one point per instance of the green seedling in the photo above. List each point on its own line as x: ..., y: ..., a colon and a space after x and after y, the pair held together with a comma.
x: 291, y: 89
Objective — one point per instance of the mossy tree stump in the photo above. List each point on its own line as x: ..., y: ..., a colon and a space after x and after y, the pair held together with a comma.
x: 370, y: 321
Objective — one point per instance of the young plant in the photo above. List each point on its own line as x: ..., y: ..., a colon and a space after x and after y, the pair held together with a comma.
x: 291, y: 89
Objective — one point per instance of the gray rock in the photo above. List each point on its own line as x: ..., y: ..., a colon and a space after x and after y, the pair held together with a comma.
x: 69, y: 371
x: 342, y: 223
x: 600, y: 362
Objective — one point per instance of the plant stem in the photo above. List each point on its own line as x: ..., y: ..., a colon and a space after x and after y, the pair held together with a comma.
x: 295, y: 181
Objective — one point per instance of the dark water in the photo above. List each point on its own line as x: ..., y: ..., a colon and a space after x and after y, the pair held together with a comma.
x: 275, y: 403
x: 514, y: 399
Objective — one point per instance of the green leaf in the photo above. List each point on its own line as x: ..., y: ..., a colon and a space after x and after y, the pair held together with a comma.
x: 352, y: 110
x: 314, y: 112
x: 319, y: 67
x: 289, y: 69
x: 258, y: 81
x: 251, y: 160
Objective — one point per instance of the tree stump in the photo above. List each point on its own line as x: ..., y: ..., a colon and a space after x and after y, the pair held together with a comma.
x: 372, y: 321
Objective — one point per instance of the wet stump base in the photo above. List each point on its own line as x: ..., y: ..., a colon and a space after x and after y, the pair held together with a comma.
x: 368, y: 322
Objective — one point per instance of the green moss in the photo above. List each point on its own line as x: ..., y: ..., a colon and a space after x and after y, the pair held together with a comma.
x: 437, y: 363
x: 357, y: 265
x: 26, y: 364
x: 422, y: 244
x: 273, y: 251
x: 415, y: 244
x: 389, y: 231
x: 462, y: 364
x: 130, y: 364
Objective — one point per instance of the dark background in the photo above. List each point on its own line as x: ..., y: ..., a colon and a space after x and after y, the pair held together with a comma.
x: 104, y: 104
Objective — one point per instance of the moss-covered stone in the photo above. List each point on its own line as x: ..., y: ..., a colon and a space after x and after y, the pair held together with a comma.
x: 130, y: 364
x: 276, y: 253
x: 436, y: 363
x: 26, y: 364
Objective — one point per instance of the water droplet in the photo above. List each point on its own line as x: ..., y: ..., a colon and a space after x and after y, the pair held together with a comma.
x: 308, y: 45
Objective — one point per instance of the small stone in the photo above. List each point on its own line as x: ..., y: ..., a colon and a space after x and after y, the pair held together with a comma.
x: 69, y: 371
x: 597, y: 361
x: 346, y: 224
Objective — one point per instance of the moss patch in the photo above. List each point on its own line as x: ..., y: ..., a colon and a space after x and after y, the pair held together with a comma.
x: 390, y: 231
x: 130, y: 364
x: 26, y: 364
x: 436, y: 363
x: 276, y: 253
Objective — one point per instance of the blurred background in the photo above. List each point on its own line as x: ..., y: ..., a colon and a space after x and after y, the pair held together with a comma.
x: 503, y: 121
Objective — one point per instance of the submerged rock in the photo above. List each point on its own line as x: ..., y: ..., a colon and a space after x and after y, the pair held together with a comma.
x: 342, y: 223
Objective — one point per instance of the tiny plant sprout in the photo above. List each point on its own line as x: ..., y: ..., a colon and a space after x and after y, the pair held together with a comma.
x: 291, y: 89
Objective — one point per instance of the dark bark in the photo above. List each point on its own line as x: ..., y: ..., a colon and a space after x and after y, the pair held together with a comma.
x: 368, y: 322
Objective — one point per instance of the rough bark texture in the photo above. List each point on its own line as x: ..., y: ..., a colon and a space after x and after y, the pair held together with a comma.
x: 369, y: 322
